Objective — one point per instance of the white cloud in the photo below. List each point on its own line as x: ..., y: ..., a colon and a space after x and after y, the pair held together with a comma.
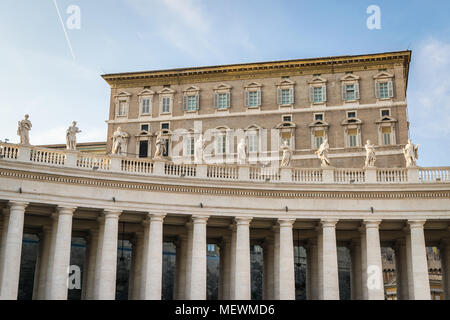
x: 429, y: 91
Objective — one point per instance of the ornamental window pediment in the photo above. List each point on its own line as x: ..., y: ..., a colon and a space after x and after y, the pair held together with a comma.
x: 122, y: 104
x: 318, y: 91
x: 350, y: 88
x: 319, y: 132
x: 145, y: 99
x: 252, y: 95
x: 352, y: 132
x: 191, y: 99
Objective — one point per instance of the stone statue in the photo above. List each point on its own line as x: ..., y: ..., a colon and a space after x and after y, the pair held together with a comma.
x: 411, y: 154
x: 23, y: 130
x: 370, y: 155
x: 287, y: 154
x: 160, y: 146
x: 322, y: 153
x: 71, y: 136
x: 198, y: 150
x: 119, y: 137
x: 242, y: 151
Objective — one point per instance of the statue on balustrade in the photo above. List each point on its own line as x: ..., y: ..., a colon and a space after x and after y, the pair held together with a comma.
x: 287, y: 154
x: 119, y: 139
x: 370, y: 155
x: 411, y: 154
x: 23, y: 130
x: 198, y: 149
x: 160, y: 146
x: 322, y: 153
x: 242, y: 152
x: 71, y: 136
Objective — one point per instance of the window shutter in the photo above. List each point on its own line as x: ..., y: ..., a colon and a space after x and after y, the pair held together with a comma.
x: 391, y: 89
x: 291, y: 95
x: 324, y: 93
x: 246, y: 98
x: 197, y: 101
x: 377, y: 89
x: 228, y: 99
x: 311, y: 94
x: 185, y: 102
x: 344, y: 92
x: 259, y: 97
x: 216, y: 98
x: 357, y: 90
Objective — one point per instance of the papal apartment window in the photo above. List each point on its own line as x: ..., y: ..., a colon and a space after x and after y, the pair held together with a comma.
x: 165, y: 125
x: 351, y: 114
x: 223, y: 100
x: 253, y: 100
x: 318, y: 96
x: 385, y: 113
x: 384, y: 90
x: 318, y: 117
x: 386, y: 131
x: 350, y: 92
x: 144, y: 127
x: 253, y: 143
x: 145, y: 106
x: 191, y: 102
x: 122, y: 108
x: 352, y: 137
x: 287, y: 118
x: 285, y: 96
x: 166, y: 105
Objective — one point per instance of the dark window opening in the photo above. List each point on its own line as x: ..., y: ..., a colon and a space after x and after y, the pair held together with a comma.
x: 143, y: 149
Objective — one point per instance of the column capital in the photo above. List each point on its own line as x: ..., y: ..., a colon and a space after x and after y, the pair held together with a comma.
x: 243, y: 220
x: 17, y: 205
x: 416, y: 223
x: 156, y: 217
x: 371, y: 223
x: 62, y: 210
x: 199, y: 219
x: 111, y: 213
x: 286, y: 222
x: 329, y: 223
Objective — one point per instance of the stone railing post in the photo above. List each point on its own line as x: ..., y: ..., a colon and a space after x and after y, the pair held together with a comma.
x: 24, y: 153
x: 371, y: 175
x: 243, y: 173
x: 286, y: 175
x: 71, y: 158
x: 202, y: 171
x: 413, y: 175
x: 158, y: 168
x: 328, y: 175
x: 116, y: 163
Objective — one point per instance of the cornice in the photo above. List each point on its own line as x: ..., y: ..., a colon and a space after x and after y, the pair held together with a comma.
x: 259, y: 69
x: 229, y: 191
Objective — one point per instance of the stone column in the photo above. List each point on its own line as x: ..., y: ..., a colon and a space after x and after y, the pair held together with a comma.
x: 418, y: 270
x: 374, y: 270
x: 364, y: 289
x: 328, y: 278
x: 243, y: 277
x: 401, y: 269
x: 198, y: 263
x: 233, y: 262
x: 286, y: 260
x: 5, y: 223
x: 152, y: 272
x: 312, y: 271
x: 107, y: 257
x: 87, y: 292
x: 61, y: 255
x: 181, y: 261
x: 187, y: 290
x: 445, y: 267
x: 356, y: 270
x: 225, y: 266
x: 268, y: 271
x: 138, y: 248
x: 276, y: 262
x: 40, y: 272
x: 12, y: 248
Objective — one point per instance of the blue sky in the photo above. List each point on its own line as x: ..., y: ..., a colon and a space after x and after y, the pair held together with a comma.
x: 39, y: 76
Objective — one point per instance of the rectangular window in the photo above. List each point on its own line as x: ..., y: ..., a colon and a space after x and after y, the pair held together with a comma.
x: 145, y: 106
x: 385, y: 113
x: 351, y: 114
x: 144, y: 127
x: 384, y: 90
x: 192, y: 103
x: 352, y: 135
x: 190, y: 146
x: 285, y: 96
x: 211, y: 247
x: 165, y: 125
x: 318, y: 138
x: 221, y: 144
x: 253, y: 143
x: 166, y: 104
x: 143, y: 149
x: 122, y: 108
x: 318, y: 96
x: 318, y: 116
x: 350, y: 92
x: 386, y: 131
x: 286, y: 136
x: 287, y: 118
x: 253, y: 99
x: 222, y: 101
